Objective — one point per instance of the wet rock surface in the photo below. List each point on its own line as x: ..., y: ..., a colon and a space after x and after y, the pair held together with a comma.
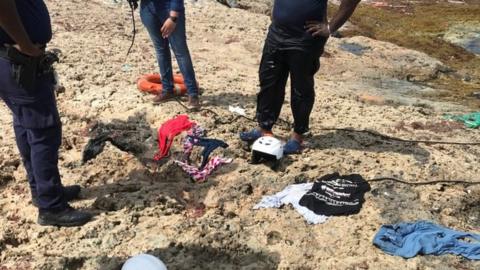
x: 466, y: 36
x: 453, y: 38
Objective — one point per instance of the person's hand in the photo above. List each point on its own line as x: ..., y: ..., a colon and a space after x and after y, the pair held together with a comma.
x: 168, y: 28
x: 30, y: 50
x: 317, y: 29
x: 133, y: 4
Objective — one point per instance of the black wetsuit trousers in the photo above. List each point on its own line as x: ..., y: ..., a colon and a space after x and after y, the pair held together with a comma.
x: 279, y: 60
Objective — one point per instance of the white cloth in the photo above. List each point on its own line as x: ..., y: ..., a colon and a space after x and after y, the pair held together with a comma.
x: 237, y: 110
x: 292, y: 195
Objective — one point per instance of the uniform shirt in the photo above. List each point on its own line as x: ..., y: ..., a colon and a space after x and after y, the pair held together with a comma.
x: 36, y: 20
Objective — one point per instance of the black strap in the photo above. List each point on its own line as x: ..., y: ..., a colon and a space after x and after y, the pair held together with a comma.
x: 15, y: 56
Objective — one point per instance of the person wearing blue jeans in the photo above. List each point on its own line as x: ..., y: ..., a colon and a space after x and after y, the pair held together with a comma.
x: 165, y: 23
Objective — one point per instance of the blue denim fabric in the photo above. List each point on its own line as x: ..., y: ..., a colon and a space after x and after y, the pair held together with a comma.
x: 425, y: 238
x: 153, y: 15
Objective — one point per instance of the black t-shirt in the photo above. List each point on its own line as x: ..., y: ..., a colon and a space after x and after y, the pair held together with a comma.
x: 36, y: 20
x: 287, y: 31
x: 294, y: 14
x: 336, y: 194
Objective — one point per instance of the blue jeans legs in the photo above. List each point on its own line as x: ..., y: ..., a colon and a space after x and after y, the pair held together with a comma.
x: 153, y: 18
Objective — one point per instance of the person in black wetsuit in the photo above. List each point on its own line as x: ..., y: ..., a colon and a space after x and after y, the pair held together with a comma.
x: 294, y: 44
x: 28, y: 91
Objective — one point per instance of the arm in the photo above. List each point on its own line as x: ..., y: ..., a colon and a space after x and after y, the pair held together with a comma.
x: 347, y: 7
x: 173, y: 13
x: 169, y: 25
x: 176, y: 6
x: 325, y: 29
x: 13, y: 26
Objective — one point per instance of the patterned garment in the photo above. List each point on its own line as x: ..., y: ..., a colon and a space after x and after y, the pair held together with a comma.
x: 195, y: 132
x: 195, y: 138
x: 201, y: 175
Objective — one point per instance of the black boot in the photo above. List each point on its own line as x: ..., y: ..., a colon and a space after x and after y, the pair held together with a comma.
x: 69, y: 217
x: 69, y: 192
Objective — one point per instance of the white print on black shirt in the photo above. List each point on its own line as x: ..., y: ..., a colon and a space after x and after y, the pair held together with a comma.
x: 340, y: 183
x: 335, y: 194
x: 332, y: 202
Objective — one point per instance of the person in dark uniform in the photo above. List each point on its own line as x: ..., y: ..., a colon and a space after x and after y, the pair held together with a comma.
x: 294, y: 44
x: 28, y: 91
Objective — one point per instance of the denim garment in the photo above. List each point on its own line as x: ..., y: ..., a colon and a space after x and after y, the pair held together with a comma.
x: 154, y: 14
x: 425, y: 238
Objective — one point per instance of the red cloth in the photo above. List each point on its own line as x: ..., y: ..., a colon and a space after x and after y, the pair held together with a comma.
x: 168, y: 131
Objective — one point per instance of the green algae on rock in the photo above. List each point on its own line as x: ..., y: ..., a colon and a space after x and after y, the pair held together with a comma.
x: 428, y: 28
x: 465, y: 35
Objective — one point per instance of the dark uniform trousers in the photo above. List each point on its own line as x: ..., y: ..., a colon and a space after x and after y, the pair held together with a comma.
x: 38, y: 134
x: 283, y: 56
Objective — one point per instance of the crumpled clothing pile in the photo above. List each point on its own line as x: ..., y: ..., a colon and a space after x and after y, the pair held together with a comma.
x: 128, y: 136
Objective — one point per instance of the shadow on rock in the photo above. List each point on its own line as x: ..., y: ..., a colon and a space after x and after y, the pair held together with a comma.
x: 398, y: 203
x: 180, y: 256
x: 160, y: 184
x: 168, y: 190
x: 367, y: 142
x: 133, y: 136
x: 222, y: 99
x: 205, y: 257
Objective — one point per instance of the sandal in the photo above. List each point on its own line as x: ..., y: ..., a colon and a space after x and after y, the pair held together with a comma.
x: 193, y: 103
x: 162, y: 97
x: 292, y: 147
x: 253, y: 135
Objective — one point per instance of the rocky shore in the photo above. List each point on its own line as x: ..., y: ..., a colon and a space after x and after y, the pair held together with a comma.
x: 144, y: 207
